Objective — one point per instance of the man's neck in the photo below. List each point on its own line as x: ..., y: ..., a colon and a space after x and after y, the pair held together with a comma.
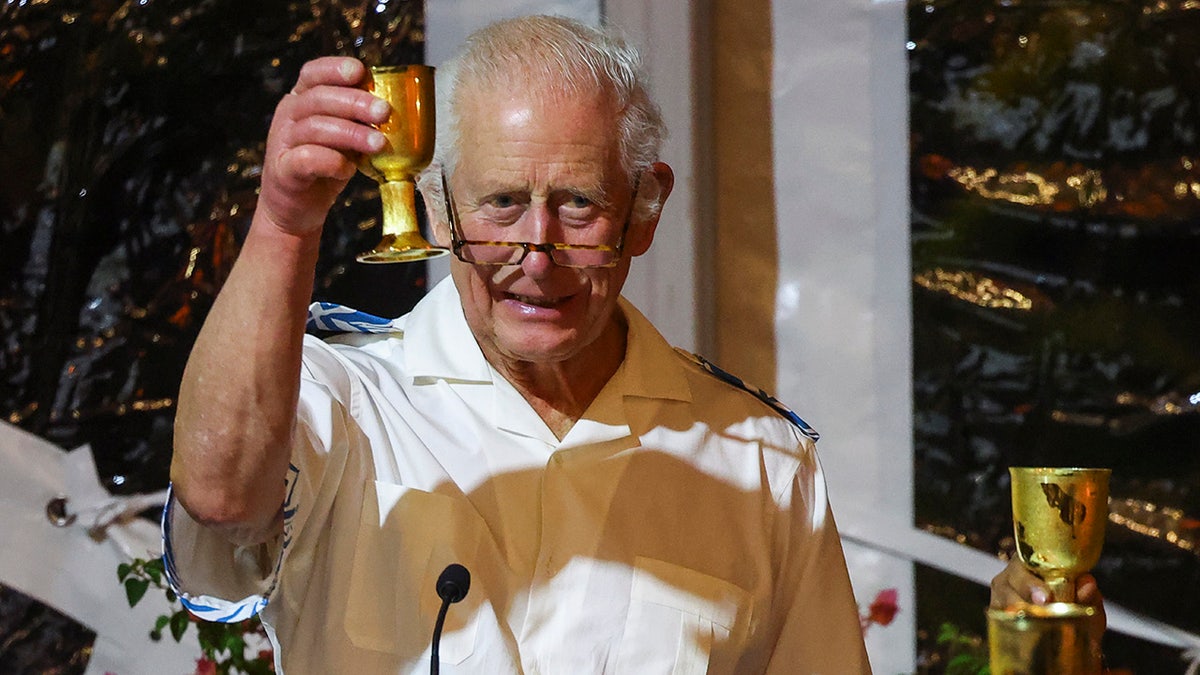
x: 561, y: 392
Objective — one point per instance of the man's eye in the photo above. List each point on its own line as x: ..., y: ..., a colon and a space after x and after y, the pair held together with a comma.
x: 578, y: 202
x: 579, y: 209
x: 502, y: 201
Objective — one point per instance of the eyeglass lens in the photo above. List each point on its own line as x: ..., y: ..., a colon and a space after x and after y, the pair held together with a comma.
x: 564, y: 255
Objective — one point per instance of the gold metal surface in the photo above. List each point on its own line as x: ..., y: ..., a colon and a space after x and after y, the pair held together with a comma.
x: 1059, y: 516
x: 410, y: 133
x: 1056, y: 639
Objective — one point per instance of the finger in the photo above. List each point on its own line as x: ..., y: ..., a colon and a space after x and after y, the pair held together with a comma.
x: 330, y: 101
x: 338, y: 117
x: 340, y: 71
x: 1015, y: 585
x: 1087, y: 591
x: 336, y: 133
x: 310, y: 163
x: 1004, y: 594
x: 999, y: 587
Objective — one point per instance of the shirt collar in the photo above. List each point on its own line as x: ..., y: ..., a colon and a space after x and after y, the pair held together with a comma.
x: 651, y: 368
x: 440, y: 345
x: 438, y: 342
x: 650, y: 373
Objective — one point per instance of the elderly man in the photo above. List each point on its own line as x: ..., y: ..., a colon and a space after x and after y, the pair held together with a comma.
x: 622, y: 507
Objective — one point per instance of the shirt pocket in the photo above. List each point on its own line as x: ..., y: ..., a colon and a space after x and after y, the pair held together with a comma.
x: 406, y: 538
x: 678, y: 617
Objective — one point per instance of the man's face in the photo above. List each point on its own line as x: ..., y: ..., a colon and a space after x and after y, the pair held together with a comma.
x: 537, y: 170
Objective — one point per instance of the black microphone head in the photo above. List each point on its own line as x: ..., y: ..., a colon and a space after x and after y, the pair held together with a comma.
x: 453, y: 583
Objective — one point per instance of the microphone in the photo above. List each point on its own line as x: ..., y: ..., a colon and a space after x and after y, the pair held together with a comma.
x: 452, y: 586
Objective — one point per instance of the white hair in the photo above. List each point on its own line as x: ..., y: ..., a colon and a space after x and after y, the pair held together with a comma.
x: 557, y: 55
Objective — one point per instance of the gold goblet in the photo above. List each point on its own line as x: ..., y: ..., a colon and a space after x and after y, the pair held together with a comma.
x: 1059, y: 516
x: 1057, y: 639
x: 409, y: 149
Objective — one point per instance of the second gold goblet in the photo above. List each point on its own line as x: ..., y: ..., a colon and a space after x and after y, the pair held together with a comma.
x: 1059, y: 516
x: 410, y: 141
x: 1060, y: 638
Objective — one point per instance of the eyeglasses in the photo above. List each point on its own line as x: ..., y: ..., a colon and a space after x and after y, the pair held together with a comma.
x: 513, y: 253
x: 498, y: 253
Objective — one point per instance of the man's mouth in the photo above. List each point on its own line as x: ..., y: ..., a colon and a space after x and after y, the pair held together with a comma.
x: 536, y: 301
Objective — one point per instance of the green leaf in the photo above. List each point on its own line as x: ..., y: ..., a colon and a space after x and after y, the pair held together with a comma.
x: 135, y: 589
x: 949, y: 635
x: 123, y: 571
x: 210, y: 635
x: 161, y: 622
x: 964, y: 664
x: 233, y: 643
x: 959, y: 661
x: 171, y: 597
x: 179, y: 624
x: 155, y: 569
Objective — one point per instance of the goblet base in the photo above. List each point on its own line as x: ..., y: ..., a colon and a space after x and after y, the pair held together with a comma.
x: 395, y: 249
x: 1059, y: 638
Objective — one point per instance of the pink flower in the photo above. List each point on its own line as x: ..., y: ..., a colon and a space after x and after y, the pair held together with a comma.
x: 205, y: 667
x: 882, y: 610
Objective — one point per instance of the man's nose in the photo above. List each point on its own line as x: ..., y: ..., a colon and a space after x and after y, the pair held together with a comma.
x: 540, y: 223
x: 537, y: 263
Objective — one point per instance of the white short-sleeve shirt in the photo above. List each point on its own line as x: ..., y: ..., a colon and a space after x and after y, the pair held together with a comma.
x: 681, y: 526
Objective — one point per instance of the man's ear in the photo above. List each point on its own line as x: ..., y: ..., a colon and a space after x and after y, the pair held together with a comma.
x: 435, y: 213
x: 440, y: 229
x: 653, y: 190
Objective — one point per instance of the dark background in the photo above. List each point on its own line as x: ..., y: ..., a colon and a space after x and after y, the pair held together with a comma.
x: 1056, y: 159
x: 131, y: 141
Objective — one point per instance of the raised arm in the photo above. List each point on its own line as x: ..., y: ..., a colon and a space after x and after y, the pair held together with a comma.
x: 237, y: 401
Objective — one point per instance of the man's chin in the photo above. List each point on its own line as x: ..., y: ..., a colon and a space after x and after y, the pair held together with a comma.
x: 540, y: 355
x: 532, y: 347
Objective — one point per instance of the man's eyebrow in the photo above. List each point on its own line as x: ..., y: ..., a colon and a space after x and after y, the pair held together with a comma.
x: 488, y: 190
x: 593, y: 192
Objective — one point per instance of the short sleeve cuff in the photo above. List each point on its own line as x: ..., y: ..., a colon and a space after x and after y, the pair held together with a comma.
x: 215, y: 579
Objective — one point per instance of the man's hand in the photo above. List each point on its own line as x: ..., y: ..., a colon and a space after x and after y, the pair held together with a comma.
x: 318, y: 133
x: 1015, y: 585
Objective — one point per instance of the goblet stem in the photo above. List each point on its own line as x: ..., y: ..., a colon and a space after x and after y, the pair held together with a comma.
x: 402, y: 240
x: 399, y: 207
x: 1062, y: 589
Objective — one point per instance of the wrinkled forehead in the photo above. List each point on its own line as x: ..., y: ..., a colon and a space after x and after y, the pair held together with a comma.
x: 500, y: 119
x: 539, y: 92
x: 547, y: 73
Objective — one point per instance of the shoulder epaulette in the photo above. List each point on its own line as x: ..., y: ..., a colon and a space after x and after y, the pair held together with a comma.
x: 329, y: 317
x: 730, y: 378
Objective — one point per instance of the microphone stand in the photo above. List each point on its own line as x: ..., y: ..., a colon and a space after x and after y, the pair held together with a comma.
x: 452, y: 586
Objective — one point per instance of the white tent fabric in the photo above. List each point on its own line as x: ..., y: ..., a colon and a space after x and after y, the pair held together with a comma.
x: 76, y: 574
